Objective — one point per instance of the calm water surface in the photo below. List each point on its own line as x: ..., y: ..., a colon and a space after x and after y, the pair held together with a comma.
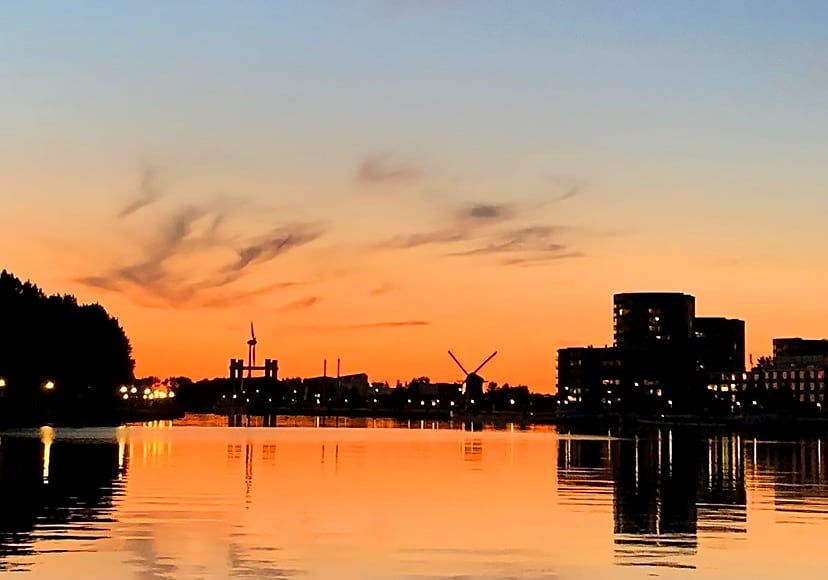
x: 193, y: 500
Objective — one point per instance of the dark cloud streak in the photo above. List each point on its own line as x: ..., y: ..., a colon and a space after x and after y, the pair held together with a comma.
x: 570, y: 192
x: 383, y: 168
x: 382, y: 289
x: 389, y: 324
x: 488, y: 212
x: 150, y: 191
x: 300, y: 304
x: 445, y: 236
x: 521, y: 246
x: 275, y: 243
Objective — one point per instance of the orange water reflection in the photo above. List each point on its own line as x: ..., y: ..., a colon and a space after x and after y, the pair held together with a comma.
x: 215, y: 502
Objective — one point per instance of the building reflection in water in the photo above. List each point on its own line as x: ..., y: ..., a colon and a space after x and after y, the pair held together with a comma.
x: 797, y: 473
x: 54, y: 489
x: 269, y: 453
x: 655, y: 496
x: 248, y: 472
x: 666, y: 488
x: 722, y: 502
x: 473, y: 450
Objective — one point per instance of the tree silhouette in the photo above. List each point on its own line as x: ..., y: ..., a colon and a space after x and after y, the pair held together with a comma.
x: 77, y: 349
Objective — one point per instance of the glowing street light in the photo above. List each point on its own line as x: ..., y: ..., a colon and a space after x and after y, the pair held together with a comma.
x: 49, y: 385
x: 2, y: 383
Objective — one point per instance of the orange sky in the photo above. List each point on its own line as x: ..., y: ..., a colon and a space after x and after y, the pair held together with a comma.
x: 472, y: 308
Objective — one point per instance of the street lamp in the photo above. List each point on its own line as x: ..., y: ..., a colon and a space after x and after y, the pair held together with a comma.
x: 49, y: 385
x: 2, y: 383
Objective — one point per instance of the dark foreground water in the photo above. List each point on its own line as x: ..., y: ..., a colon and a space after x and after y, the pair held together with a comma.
x: 422, y: 501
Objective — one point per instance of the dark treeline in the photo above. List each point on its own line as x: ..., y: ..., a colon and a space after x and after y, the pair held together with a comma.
x: 59, y: 360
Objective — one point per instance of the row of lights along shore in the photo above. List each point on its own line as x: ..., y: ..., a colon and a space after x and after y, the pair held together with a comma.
x: 48, y: 385
x: 147, y: 394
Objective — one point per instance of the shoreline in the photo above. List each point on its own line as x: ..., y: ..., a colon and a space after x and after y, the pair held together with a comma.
x: 766, y: 425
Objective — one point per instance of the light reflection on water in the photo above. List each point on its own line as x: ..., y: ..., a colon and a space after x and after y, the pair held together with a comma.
x: 362, y: 499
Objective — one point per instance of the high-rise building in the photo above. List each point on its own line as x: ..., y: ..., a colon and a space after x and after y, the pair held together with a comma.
x: 719, y: 344
x: 799, y: 352
x: 661, y: 359
x: 653, y: 319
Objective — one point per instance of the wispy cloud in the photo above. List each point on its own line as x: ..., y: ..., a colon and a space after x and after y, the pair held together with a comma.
x: 275, y: 243
x: 526, y: 239
x: 444, y: 236
x: 541, y: 258
x: 493, y: 229
x: 487, y: 212
x: 389, y: 324
x: 382, y: 289
x: 569, y: 192
x: 300, y: 304
x: 234, y: 297
x: 466, y: 223
x: 383, y: 169
x: 198, y: 233
x: 149, y: 192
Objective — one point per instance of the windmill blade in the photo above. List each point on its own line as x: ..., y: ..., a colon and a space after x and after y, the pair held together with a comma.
x: 491, y: 356
x: 252, y: 332
x: 454, y: 358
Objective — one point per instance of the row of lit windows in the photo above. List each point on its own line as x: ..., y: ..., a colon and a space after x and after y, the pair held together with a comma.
x: 736, y: 376
x: 796, y: 386
x: 803, y: 374
x: 799, y: 386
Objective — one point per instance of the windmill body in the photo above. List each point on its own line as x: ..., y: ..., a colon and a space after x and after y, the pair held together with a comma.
x: 473, y: 382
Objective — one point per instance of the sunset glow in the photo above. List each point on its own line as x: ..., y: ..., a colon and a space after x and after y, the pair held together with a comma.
x: 382, y: 181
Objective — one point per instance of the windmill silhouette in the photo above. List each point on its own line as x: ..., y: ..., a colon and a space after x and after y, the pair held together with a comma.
x: 251, y: 351
x: 472, y: 383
